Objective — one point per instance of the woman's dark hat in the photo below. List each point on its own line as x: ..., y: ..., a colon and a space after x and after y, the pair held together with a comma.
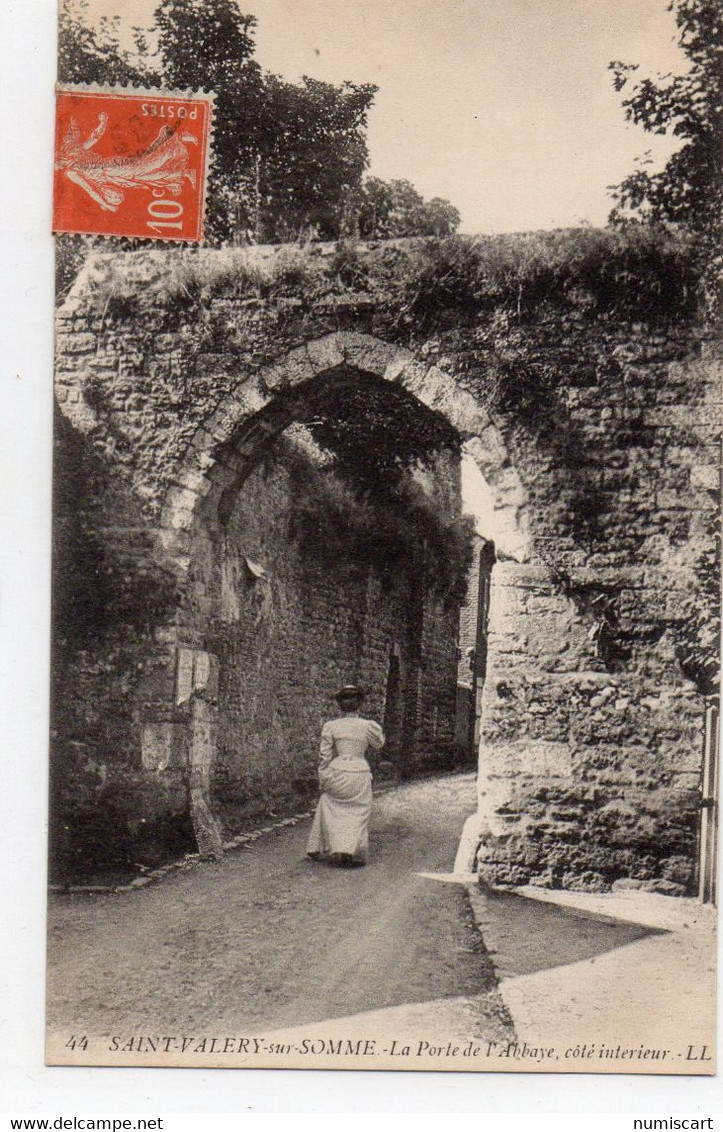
x: 349, y: 692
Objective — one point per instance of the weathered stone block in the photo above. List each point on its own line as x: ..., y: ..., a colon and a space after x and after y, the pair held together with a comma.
x: 705, y: 476
x: 508, y: 491
x: 294, y: 368
x: 76, y: 343
x: 525, y: 757
x: 156, y: 746
x: 587, y: 881
x: 488, y: 449
x: 368, y: 354
x: 397, y: 365
x: 413, y: 376
x: 325, y: 353
x: 179, y: 509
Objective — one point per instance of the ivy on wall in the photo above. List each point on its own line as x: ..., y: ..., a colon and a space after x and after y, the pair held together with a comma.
x: 402, y: 528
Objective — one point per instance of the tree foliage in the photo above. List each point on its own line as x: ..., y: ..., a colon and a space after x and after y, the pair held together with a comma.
x: 337, y: 521
x: 94, y: 55
x: 687, y: 194
x: 311, y: 158
x: 405, y: 433
x: 289, y: 158
x: 287, y: 155
x: 389, y: 209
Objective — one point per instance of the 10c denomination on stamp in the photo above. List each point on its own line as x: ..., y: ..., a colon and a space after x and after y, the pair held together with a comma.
x: 131, y: 162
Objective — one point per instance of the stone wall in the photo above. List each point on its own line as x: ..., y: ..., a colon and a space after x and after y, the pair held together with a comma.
x: 119, y: 774
x: 291, y: 621
x: 592, y: 718
x: 597, y: 429
x: 278, y: 621
x: 467, y: 640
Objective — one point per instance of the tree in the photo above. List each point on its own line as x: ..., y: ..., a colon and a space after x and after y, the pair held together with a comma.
x: 288, y: 158
x: 687, y: 195
x: 443, y: 218
x: 311, y: 157
x: 389, y: 209
x: 208, y: 44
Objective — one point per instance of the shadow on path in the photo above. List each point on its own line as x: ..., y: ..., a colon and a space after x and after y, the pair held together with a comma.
x: 265, y: 939
x: 524, y: 935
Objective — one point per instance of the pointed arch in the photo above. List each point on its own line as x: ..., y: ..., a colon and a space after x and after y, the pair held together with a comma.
x: 255, y: 411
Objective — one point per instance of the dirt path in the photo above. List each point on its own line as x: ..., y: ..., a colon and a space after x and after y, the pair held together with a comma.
x: 267, y: 940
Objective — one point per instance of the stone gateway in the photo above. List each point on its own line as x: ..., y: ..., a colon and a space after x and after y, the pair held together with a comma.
x: 209, y: 595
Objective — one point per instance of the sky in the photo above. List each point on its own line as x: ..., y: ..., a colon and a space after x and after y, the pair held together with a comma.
x: 504, y: 107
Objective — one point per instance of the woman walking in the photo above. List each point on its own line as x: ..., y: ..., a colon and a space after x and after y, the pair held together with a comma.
x: 340, y: 832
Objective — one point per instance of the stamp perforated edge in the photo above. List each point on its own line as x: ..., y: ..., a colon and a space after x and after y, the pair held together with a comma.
x: 129, y: 90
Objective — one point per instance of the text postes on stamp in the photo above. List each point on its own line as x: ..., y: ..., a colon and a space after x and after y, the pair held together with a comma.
x: 131, y: 163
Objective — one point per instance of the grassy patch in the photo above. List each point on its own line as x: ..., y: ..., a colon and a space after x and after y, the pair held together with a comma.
x: 435, y: 283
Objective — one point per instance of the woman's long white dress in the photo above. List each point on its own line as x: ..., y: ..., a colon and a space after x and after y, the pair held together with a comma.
x: 341, y: 821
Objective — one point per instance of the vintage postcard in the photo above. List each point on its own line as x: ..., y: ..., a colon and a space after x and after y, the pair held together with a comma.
x: 386, y: 552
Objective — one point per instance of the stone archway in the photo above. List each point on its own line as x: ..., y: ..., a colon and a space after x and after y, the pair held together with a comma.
x: 157, y: 383
x: 262, y: 407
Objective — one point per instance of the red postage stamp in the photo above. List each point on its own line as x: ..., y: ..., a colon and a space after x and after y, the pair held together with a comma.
x: 131, y: 163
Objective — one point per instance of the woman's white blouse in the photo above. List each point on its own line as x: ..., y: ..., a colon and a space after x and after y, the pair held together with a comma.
x: 347, y: 739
